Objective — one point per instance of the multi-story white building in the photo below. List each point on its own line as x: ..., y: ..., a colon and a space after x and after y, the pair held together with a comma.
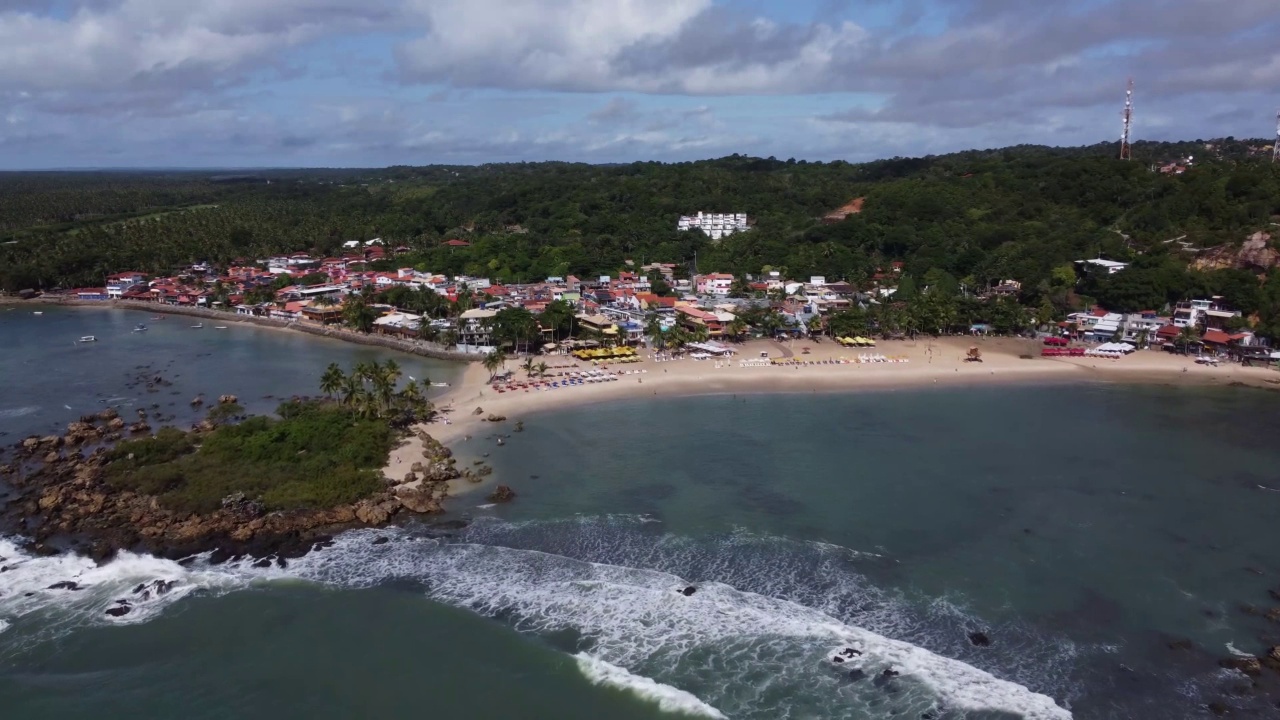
x: 718, y: 284
x: 717, y: 225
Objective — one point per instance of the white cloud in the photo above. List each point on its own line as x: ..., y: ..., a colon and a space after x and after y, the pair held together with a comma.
x: 648, y: 46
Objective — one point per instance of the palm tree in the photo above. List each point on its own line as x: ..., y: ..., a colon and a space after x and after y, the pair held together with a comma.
x: 1186, y: 338
x: 449, y: 338
x: 332, y: 380
x: 493, y: 361
x: 542, y: 369
x: 700, y: 333
x: 736, y: 328
x: 357, y: 313
x: 352, y: 389
x: 528, y: 366
x: 653, y: 329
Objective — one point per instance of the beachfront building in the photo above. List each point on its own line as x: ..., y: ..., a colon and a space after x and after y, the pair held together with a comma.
x: 398, y: 323
x: 475, y: 331
x: 716, y: 225
x: 692, y: 318
x: 120, y: 283
x: 1203, y: 314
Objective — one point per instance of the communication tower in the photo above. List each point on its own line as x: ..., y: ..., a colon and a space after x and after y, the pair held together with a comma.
x: 1126, y: 152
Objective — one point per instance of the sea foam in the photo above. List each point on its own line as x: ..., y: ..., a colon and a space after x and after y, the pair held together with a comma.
x: 667, y: 698
x: 723, y: 650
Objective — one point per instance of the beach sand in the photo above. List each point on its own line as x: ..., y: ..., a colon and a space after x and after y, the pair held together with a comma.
x: 936, y: 362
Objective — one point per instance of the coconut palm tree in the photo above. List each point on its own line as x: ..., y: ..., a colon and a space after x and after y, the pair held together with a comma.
x: 357, y: 313
x: 351, y: 390
x: 493, y: 361
x: 737, y: 328
x: 1186, y: 338
x: 700, y: 333
x: 541, y: 369
x: 653, y: 329
x: 332, y: 379
x: 528, y: 366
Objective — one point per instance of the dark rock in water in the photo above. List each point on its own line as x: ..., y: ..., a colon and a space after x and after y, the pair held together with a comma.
x: 322, y: 544
x: 122, y: 609
x: 1181, y: 644
x: 850, y: 652
x: 689, y: 591
x: 533, y: 477
x: 281, y: 562
x: 979, y: 639
x: 857, y: 674
x: 837, y: 660
x: 263, y: 563
x: 140, y: 588
x: 1218, y: 708
x: 1248, y: 665
x: 502, y: 494
x: 187, y: 561
x: 381, y: 540
x: 1275, y: 594
x: 64, y: 585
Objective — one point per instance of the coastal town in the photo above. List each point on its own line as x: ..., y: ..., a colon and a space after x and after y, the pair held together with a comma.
x: 660, y: 306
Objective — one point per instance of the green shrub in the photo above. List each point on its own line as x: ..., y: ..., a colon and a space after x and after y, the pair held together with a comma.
x: 317, y: 455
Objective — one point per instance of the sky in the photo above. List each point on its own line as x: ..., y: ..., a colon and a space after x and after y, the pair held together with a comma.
x: 370, y: 83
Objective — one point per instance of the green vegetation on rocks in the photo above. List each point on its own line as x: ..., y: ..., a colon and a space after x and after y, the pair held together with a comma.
x: 316, y: 455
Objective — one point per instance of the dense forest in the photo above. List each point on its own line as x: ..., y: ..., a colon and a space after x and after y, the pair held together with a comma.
x: 972, y: 218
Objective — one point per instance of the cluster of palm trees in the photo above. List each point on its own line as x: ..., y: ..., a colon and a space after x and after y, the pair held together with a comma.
x: 370, y: 391
x: 494, y: 361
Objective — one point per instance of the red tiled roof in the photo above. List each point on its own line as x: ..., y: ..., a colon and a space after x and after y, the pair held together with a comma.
x: 1217, y: 337
x: 458, y: 243
x: 1169, y: 331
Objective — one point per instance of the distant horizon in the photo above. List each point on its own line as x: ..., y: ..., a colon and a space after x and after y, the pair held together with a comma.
x: 276, y: 168
x: 132, y: 84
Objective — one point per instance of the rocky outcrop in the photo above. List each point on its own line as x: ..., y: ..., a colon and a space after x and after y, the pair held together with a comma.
x: 1255, y: 254
x: 1248, y: 665
x: 69, y: 496
x: 419, y: 500
x: 228, y: 399
x: 502, y: 494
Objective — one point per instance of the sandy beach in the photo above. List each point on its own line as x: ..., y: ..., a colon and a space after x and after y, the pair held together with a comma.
x: 937, y: 362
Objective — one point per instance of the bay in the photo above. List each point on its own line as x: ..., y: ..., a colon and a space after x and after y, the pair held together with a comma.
x: 1082, y: 528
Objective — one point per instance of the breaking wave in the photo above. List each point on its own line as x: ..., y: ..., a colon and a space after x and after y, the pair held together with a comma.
x: 726, y: 650
x: 667, y: 698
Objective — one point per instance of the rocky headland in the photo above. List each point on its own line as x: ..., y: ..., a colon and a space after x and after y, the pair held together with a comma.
x: 61, y: 498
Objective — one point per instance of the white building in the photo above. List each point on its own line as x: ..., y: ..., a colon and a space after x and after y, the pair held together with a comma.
x: 716, y: 225
x: 1110, y: 267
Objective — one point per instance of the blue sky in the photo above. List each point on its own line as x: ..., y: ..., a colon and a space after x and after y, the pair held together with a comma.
x: 253, y: 83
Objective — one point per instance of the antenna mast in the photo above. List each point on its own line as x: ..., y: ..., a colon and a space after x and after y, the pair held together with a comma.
x: 1275, y: 149
x: 1126, y: 152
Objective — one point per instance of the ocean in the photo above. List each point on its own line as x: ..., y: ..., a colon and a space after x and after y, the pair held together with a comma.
x: 1084, y: 530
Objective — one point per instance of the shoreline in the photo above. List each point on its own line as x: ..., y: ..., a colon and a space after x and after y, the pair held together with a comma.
x: 300, y: 326
x: 937, y: 362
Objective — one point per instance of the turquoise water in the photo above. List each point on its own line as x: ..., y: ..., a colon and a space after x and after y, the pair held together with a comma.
x: 1082, y: 528
x: 50, y: 379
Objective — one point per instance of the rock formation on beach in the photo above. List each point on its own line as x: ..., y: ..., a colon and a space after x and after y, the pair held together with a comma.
x: 61, y: 490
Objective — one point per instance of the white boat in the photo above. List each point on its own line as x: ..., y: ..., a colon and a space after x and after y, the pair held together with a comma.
x: 140, y: 328
x: 198, y: 325
x: 37, y: 312
x: 88, y: 338
x: 219, y: 327
x: 435, y: 384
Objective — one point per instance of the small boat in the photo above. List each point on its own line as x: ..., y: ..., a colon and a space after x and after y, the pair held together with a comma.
x: 157, y: 317
x: 88, y: 338
x: 37, y: 312
x: 436, y: 384
x: 198, y: 325
x: 140, y: 328
x: 219, y: 327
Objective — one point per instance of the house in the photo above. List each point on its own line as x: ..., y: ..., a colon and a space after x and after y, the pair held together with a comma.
x: 1203, y: 313
x: 290, y: 311
x: 91, y: 294
x: 693, y: 318
x: 474, y: 332
x: 323, y: 314
x: 1110, y: 267
x: 398, y: 323
x: 119, y: 283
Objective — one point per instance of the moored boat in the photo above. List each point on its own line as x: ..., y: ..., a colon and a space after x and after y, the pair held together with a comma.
x: 88, y: 339
x: 140, y: 328
x: 198, y: 325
